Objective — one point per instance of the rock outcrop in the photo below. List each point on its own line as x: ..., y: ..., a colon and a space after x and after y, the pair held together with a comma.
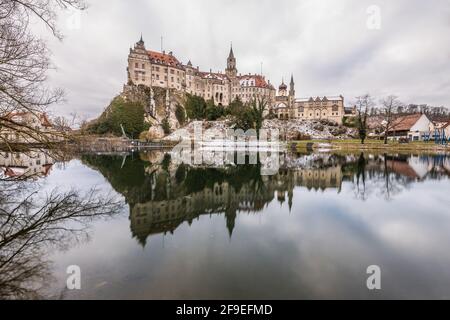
x: 288, y: 129
x: 159, y: 104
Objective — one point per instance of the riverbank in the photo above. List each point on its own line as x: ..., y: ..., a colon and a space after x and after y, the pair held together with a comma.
x: 94, y: 143
x: 369, y: 145
x: 98, y: 143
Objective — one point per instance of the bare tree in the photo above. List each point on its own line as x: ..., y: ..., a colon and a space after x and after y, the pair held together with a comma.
x: 259, y: 106
x: 61, y: 124
x: 363, y: 105
x: 24, y: 63
x: 32, y: 222
x: 389, y: 105
x: 44, y: 10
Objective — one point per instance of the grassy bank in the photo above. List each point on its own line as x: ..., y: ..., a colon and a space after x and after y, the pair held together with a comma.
x: 354, y: 144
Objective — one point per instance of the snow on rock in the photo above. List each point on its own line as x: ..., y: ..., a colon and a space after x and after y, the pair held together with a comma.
x: 289, y: 129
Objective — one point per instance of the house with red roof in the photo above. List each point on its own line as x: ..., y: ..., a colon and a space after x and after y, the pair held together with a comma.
x: 24, y: 126
x: 412, y: 127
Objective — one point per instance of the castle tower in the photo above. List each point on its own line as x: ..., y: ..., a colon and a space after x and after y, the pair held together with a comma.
x: 140, y: 44
x: 282, y: 89
x: 291, y: 87
x: 231, y: 70
x: 137, y: 60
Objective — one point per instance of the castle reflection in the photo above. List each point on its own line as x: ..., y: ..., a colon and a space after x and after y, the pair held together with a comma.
x: 163, y: 193
x: 32, y: 164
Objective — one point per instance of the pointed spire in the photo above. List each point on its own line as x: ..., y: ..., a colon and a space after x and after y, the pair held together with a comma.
x: 282, y: 86
x: 231, y: 55
x: 292, y: 78
x: 141, y: 41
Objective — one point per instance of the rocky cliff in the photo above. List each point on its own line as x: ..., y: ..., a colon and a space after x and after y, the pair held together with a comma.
x: 159, y: 104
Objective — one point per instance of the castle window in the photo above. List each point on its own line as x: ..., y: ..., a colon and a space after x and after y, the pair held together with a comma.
x: 143, y: 66
x: 136, y: 65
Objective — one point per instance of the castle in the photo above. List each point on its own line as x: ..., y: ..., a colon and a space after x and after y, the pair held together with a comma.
x: 161, y: 69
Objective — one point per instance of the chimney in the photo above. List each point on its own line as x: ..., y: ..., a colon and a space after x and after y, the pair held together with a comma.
x: 164, y: 51
x: 170, y: 53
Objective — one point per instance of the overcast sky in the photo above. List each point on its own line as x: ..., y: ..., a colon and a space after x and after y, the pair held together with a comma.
x: 332, y: 47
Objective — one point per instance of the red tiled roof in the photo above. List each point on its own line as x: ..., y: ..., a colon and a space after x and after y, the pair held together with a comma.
x: 45, y: 122
x: 47, y: 168
x: 259, y: 81
x: 163, y: 58
x: 403, y: 123
x: 212, y: 75
x: 402, y: 168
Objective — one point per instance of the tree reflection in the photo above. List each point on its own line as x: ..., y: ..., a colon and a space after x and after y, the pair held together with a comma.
x: 31, y: 223
x: 361, y: 177
x: 163, y: 194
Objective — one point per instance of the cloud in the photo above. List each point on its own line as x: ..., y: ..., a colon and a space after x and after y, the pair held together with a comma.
x: 326, y: 45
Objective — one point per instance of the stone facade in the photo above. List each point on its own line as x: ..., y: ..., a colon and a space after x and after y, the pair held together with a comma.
x: 161, y: 69
x: 287, y: 107
x: 30, y: 126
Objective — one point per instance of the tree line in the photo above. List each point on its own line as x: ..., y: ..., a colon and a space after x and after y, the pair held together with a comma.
x: 244, y: 115
x: 387, y: 110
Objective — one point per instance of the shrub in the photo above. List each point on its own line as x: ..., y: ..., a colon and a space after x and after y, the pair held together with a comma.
x: 180, y: 114
x: 350, y: 122
x: 129, y: 114
x: 165, y: 126
x: 195, y: 107
x: 214, y: 112
x: 143, y: 136
x: 302, y: 136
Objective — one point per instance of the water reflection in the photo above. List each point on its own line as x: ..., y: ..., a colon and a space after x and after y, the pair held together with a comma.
x: 32, y: 164
x: 163, y: 194
x: 306, y: 206
x: 32, y: 221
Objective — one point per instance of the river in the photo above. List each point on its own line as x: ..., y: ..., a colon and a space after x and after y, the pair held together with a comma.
x: 210, y: 230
